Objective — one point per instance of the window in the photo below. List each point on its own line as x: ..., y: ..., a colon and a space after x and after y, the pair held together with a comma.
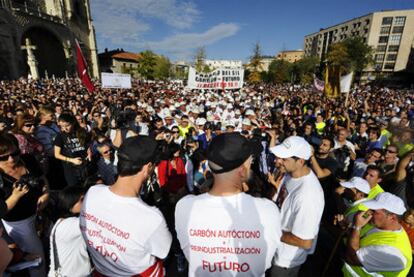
x: 379, y: 57
x: 389, y: 66
x: 378, y: 66
x: 387, y: 21
x: 393, y: 48
x: 391, y: 57
x: 383, y: 39
x: 399, y: 20
x: 397, y: 29
x: 381, y: 48
x: 385, y: 30
x: 395, y: 39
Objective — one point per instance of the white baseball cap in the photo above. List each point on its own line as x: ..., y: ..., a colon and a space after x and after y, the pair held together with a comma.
x: 293, y: 146
x: 246, y: 121
x: 386, y: 201
x: 230, y: 123
x: 358, y: 183
x: 250, y: 112
x: 201, y: 121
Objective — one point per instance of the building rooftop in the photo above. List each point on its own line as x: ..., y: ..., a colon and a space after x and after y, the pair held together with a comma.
x: 127, y: 56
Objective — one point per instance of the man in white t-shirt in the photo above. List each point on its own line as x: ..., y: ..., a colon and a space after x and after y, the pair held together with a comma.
x: 384, y: 250
x: 125, y: 236
x: 227, y: 232
x: 301, y: 201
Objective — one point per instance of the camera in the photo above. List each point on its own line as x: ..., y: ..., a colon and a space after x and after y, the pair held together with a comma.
x: 31, y: 181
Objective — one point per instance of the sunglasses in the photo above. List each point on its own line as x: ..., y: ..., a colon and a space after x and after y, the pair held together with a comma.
x: 391, y: 151
x: 175, y: 132
x: 107, y: 151
x: 29, y: 125
x: 13, y: 154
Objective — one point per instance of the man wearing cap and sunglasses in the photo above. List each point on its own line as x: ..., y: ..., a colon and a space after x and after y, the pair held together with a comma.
x: 385, y: 249
x: 227, y: 232
x: 301, y: 202
x: 125, y: 236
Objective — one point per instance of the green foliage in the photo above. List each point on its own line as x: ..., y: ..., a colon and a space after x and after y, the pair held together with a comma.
x: 199, y: 58
x: 304, y: 69
x: 350, y: 54
x: 147, y: 64
x: 254, y: 77
x: 256, y: 58
x: 162, y: 68
x: 360, y: 53
x: 338, y: 56
x: 280, y: 71
x: 255, y: 65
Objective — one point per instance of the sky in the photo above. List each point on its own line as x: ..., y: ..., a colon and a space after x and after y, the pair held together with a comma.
x: 227, y: 29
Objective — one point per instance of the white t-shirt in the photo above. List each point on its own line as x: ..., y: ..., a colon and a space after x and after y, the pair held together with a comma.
x: 378, y: 258
x: 347, y: 143
x: 123, y: 234
x: 71, y: 249
x: 301, y: 214
x: 227, y: 236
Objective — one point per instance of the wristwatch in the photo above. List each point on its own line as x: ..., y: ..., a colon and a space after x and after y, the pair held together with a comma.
x: 356, y: 228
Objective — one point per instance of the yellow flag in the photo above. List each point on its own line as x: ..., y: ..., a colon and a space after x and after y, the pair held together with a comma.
x: 332, y: 81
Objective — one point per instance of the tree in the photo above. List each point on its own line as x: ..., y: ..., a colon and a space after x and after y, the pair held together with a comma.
x: 280, y: 71
x: 199, y: 59
x: 360, y: 53
x: 162, y: 68
x: 352, y: 54
x: 338, y: 56
x: 255, y: 64
x: 304, y: 69
x: 147, y: 64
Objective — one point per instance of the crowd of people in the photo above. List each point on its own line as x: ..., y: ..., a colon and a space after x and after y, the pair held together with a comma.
x: 161, y: 180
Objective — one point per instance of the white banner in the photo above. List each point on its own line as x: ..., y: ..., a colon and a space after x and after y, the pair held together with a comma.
x: 217, y: 79
x: 116, y: 80
x: 346, y: 82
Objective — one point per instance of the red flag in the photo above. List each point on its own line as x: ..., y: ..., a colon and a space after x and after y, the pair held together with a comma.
x: 83, y: 69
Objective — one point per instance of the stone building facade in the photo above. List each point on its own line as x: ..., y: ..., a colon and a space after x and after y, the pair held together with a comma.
x: 51, y: 26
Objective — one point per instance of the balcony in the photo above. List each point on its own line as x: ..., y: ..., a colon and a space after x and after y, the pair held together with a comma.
x: 36, y: 11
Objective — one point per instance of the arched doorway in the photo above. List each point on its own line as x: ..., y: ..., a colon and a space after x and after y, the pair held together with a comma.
x: 49, y: 52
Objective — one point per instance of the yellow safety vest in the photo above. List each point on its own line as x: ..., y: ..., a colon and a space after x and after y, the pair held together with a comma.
x: 404, y: 149
x: 374, y: 192
x: 320, y: 127
x: 354, y: 209
x: 183, y: 131
x: 388, y: 135
x: 398, y: 240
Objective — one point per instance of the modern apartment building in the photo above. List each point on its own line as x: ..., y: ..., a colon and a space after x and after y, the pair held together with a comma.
x: 390, y: 33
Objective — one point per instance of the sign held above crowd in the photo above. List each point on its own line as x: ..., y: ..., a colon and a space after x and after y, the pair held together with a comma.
x: 116, y: 80
x: 218, y: 79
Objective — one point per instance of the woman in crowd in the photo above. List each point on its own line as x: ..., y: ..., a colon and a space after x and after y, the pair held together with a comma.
x: 72, y: 147
x: 68, y: 254
x: 19, y: 222
x: 24, y: 128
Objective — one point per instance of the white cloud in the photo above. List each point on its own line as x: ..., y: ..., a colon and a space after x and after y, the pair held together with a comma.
x: 122, y: 22
x: 186, y: 41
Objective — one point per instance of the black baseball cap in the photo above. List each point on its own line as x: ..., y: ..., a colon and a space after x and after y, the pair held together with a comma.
x: 228, y: 151
x: 139, y: 150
